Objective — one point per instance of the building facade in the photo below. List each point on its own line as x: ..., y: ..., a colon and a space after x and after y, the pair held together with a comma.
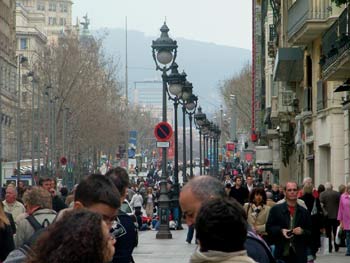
x: 8, y: 78
x: 57, y: 15
x: 308, y: 119
x: 31, y: 41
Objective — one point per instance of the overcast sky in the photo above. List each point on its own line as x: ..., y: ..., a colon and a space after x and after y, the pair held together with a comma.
x: 226, y: 22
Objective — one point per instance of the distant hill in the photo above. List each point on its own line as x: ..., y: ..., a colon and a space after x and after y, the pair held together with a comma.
x: 206, y: 64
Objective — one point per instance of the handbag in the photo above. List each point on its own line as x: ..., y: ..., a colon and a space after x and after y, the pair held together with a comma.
x: 340, y: 235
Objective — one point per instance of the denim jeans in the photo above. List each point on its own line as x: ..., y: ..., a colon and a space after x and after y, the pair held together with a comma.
x: 190, y: 233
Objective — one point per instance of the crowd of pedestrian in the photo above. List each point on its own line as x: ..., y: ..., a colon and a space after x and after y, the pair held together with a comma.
x: 290, y: 221
x: 234, y: 220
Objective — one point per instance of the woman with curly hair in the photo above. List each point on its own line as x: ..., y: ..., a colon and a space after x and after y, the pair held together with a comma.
x: 257, y: 211
x: 80, y: 236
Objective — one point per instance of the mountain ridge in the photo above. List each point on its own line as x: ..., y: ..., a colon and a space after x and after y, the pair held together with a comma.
x: 206, y: 64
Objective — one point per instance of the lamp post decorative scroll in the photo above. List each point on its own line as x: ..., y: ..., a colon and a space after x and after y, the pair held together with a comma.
x: 164, y: 51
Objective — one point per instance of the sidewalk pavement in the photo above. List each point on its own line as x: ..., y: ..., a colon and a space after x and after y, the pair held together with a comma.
x: 176, y: 250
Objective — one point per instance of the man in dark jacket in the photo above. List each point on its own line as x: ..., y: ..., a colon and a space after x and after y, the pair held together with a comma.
x: 123, y: 229
x: 239, y: 192
x: 49, y: 185
x: 289, y: 226
x: 330, y: 202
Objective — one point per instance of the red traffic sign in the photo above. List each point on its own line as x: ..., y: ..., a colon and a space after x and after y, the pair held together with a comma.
x: 163, y: 131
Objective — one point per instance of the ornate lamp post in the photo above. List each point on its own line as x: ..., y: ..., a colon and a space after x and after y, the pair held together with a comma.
x: 199, y: 118
x: 211, y: 148
x: 164, y: 51
x: 205, y: 128
x: 191, y: 106
x: 176, y: 82
x: 218, y: 133
x: 21, y: 60
x: 186, y: 95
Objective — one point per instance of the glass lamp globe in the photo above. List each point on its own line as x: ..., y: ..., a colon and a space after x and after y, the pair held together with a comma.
x: 190, y: 106
x: 175, y: 89
x: 186, y: 95
x: 164, y: 57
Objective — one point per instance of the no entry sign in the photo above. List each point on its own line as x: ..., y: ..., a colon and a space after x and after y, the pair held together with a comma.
x: 163, y: 131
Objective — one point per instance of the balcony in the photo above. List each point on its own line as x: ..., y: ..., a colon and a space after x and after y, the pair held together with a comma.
x: 308, y: 19
x: 335, y: 58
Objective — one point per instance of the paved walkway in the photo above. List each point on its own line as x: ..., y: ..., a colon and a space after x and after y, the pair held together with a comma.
x: 176, y: 250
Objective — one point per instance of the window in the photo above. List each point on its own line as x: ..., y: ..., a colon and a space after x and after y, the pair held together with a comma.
x: 52, y: 21
x: 62, y: 21
x: 52, y: 7
x: 23, y: 43
x: 321, y: 95
x: 40, y: 6
x: 24, y: 97
x: 63, y: 7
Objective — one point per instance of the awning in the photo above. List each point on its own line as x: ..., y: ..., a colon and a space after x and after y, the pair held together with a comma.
x: 289, y: 65
x: 343, y: 87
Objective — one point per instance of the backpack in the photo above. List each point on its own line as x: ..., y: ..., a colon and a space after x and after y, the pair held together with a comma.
x: 21, y: 254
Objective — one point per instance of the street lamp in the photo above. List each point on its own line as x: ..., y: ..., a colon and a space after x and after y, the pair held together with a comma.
x: 21, y: 60
x: 186, y: 95
x: 191, y: 106
x: 164, y: 51
x: 211, y: 147
x: 31, y: 74
x: 199, y: 118
x: 176, y: 82
x: 205, y: 132
x: 234, y: 118
x: 218, y: 133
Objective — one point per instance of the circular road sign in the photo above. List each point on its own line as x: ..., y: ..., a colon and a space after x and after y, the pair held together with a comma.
x: 163, y: 131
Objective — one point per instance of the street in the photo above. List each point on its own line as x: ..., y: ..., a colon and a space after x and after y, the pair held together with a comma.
x: 176, y: 250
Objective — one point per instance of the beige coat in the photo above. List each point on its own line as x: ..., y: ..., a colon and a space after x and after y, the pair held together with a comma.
x: 222, y: 257
x: 259, y: 221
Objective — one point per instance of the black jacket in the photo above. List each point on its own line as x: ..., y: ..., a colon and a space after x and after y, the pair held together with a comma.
x: 6, y: 242
x: 12, y: 222
x: 241, y: 194
x: 58, y: 204
x: 279, y: 218
x: 126, y: 240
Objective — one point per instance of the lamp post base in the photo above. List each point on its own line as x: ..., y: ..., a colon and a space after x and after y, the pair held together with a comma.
x: 164, y: 233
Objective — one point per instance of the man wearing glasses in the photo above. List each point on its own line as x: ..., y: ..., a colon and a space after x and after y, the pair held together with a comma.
x: 289, y: 226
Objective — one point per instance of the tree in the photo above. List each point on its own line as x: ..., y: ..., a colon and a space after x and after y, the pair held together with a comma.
x: 239, y: 85
x: 81, y: 89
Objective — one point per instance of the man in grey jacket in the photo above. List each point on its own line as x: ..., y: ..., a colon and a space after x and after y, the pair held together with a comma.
x: 38, y: 204
x: 330, y: 202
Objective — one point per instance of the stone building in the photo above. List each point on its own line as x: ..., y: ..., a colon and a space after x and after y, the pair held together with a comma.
x: 308, y: 55
x: 8, y: 78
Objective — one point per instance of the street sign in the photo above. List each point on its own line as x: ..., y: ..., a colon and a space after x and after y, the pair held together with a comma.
x: 163, y: 131
x: 163, y: 144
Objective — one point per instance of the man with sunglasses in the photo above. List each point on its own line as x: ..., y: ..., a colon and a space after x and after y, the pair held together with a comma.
x: 289, y: 226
